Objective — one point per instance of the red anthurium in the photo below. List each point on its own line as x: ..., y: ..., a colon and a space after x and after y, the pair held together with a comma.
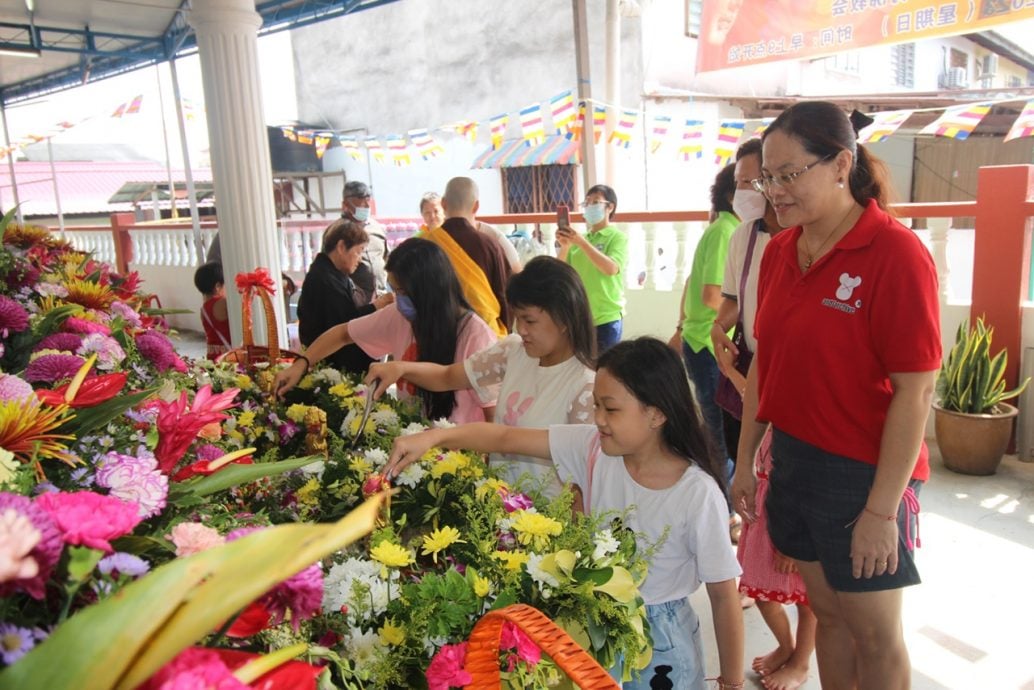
x: 204, y: 468
x: 291, y: 675
x: 93, y: 391
x: 251, y: 621
x: 219, y: 667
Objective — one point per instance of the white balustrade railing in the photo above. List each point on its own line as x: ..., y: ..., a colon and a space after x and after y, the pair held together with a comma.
x: 99, y: 243
x: 169, y: 246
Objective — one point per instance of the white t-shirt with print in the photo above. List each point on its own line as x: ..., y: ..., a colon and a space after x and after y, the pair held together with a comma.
x: 734, y: 267
x: 530, y: 396
x: 697, y: 548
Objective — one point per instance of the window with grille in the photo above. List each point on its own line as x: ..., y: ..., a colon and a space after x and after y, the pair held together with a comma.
x: 538, y: 188
x: 849, y: 62
x: 1014, y: 81
x: 959, y: 58
x: 903, y: 62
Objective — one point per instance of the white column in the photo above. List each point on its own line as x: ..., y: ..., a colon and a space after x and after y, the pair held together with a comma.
x: 228, y: 47
x: 939, y: 248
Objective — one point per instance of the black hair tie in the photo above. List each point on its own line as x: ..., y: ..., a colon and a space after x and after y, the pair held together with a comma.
x: 860, y: 121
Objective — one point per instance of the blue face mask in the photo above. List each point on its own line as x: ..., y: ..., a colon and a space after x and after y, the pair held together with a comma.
x: 595, y: 213
x: 361, y: 214
x: 405, y: 306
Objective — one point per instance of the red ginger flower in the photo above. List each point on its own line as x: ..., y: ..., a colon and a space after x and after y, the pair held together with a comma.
x: 179, y: 423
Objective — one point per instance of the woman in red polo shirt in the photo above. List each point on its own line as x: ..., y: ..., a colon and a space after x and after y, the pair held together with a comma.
x: 848, y: 345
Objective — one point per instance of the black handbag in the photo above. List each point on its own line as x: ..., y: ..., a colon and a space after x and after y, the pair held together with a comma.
x: 726, y: 396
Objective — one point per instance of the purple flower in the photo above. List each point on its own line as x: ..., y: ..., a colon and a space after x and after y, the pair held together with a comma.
x: 127, y: 313
x: 287, y: 430
x: 207, y: 452
x: 516, y: 501
x: 109, y: 352
x: 158, y: 350
x: 81, y: 477
x: 50, y: 368
x: 13, y: 317
x: 46, y: 552
x: 76, y: 324
x: 147, y: 415
x: 63, y: 342
x: 123, y: 564
x: 506, y: 541
x: 134, y: 480
x: 14, y: 389
x: 15, y: 642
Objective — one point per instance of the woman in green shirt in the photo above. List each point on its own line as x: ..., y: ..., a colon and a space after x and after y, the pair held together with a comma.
x: 599, y: 257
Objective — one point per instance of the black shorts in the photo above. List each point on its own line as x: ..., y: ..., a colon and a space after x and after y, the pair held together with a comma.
x: 813, y: 499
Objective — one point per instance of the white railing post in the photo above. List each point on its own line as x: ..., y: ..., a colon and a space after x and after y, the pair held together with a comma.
x: 650, y: 242
x: 548, y: 231
x: 681, y: 229
x: 939, y: 248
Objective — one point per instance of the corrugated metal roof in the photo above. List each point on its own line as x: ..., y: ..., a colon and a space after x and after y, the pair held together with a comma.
x: 555, y: 150
x: 84, y: 186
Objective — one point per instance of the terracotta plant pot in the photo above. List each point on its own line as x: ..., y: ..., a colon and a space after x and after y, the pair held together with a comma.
x: 973, y: 443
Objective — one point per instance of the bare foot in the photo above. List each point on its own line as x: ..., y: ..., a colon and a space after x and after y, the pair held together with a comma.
x: 789, y: 677
x: 772, y: 661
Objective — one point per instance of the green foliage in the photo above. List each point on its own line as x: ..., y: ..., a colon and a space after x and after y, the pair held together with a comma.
x: 971, y: 380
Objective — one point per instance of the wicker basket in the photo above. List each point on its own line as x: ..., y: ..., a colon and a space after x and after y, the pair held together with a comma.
x: 249, y: 354
x: 482, y: 661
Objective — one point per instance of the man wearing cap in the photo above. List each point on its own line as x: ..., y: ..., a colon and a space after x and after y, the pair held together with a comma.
x: 370, y: 276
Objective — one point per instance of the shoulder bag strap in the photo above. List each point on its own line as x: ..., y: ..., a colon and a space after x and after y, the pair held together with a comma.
x: 209, y: 321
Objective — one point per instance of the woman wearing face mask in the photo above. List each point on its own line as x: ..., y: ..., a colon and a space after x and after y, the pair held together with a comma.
x: 599, y: 257
x: 428, y: 322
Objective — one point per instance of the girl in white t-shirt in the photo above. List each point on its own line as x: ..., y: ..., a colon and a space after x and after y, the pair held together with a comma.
x: 541, y: 374
x: 647, y: 452
x: 429, y: 321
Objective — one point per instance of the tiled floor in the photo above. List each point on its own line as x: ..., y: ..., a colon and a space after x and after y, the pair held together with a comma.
x: 969, y: 625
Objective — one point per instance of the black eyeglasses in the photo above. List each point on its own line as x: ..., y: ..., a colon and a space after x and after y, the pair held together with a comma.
x: 762, y: 183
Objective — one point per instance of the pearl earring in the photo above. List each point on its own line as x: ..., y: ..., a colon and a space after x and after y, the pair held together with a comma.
x: 840, y: 184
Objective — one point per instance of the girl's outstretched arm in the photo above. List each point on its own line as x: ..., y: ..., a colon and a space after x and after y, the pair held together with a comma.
x: 480, y: 437
x: 728, y: 631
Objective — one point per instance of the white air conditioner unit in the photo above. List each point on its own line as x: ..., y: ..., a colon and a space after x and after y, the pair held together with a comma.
x: 989, y: 65
x: 954, y: 78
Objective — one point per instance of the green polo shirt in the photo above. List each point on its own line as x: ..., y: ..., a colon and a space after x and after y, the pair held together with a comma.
x: 606, y: 293
x: 708, y: 269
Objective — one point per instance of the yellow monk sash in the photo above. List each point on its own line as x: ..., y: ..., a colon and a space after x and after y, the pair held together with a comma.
x: 476, y: 287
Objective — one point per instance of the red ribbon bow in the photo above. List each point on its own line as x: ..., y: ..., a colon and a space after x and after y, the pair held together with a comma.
x: 259, y: 279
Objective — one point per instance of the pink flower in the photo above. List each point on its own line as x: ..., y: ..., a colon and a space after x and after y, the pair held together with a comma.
x: 527, y: 651
x: 14, y: 389
x: 135, y: 480
x: 13, y: 317
x: 45, y: 552
x: 128, y: 314
x: 179, y: 423
x: 18, y: 537
x: 516, y: 501
x: 49, y: 368
x: 109, y: 352
x: 446, y: 668
x: 193, y: 537
x: 63, y: 342
x: 90, y: 519
x: 195, y: 669
x: 76, y: 324
x: 158, y: 350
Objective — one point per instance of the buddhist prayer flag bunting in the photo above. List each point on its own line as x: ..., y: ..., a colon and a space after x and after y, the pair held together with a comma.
x: 351, y: 146
x: 729, y: 133
x: 885, y: 124
x: 322, y: 142
x: 373, y: 145
x: 659, y: 132
x: 129, y: 107
x: 289, y: 134
x: 468, y: 129
x: 599, y: 121
x: 306, y: 136
x: 958, y: 122
x: 578, y: 126
x: 692, y: 140
x: 1024, y: 125
x: 426, y: 146
x: 762, y: 126
x: 563, y: 111
x: 622, y: 134
x: 397, y: 146
x: 498, y: 124
x: 531, y: 125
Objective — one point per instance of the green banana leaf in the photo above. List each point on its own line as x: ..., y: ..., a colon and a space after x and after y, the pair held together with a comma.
x: 234, y: 474
x: 124, y: 640
x: 89, y: 419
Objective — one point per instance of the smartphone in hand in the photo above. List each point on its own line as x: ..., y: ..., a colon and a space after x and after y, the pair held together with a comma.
x: 563, y: 216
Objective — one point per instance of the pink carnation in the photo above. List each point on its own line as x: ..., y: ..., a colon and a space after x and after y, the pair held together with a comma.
x: 128, y: 314
x: 195, y: 668
x: 158, y: 350
x: 13, y: 317
x: 446, y: 668
x: 76, y: 324
x: 193, y: 537
x: 14, y: 389
x: 46, y: 552
x: 527, y: 651
x: 50, y: 368
x: 90, y: 519
x: 135, y: 480
x: 109, y: 352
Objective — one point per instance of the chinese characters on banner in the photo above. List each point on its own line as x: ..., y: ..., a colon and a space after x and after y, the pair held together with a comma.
x: 750, y: 32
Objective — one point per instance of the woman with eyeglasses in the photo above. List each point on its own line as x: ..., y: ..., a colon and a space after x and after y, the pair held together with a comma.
x: 848, y: 345
x: 599, y: 257
x: 429, y: 321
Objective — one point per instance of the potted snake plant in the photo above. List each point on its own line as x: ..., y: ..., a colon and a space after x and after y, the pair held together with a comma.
x: 972, y: 421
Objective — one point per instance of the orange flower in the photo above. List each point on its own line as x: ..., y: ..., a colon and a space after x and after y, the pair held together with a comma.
x: 26, y: 429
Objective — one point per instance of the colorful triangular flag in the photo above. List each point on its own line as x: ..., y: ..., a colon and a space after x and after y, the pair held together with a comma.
x: 729, y: 133
x: 322, y: 142
x: 1024, y: 125
x: 289, y: 133
x: 659, y: 131
x: 468, y: 129
x: 306, y: 136
x: 351, y: 146
x: 531, y: 125
x: 621, y: 136
x: 373, y: 145
x: 883, y: 126
x: 578, y: 126
x: 958, y: 122
x: 498, y: 124
x: 692, y: 140
x: 761, y: 127
x: 397, y: 146
x: 599, y: 121
x: 426, y: 146
x: 563, y: 111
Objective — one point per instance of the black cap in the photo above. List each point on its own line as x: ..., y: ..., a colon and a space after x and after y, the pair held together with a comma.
x: 356, y: 190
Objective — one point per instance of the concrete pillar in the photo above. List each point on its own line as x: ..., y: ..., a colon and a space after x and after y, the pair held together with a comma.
x: 228, y: 47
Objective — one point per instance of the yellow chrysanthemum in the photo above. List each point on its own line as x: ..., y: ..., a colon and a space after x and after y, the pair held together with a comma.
x: 25, y: 430
x: 242, y: 381
x: 439, y: 540
x: 391, y: 555
x: 308, y: 493
x: 88, y: 294
x: 341, y: 390
x: 481, y: 584
x: 296, y: 412
x: 534, y: 528
x: 392, y: 634
x: 456, y: 463
x: 513, y: 560
x: 236, y: 436
x: 246, y: 419
x: 491, y: 487
x: 353, y: 427
x: 307, y: 383
x: 360, y: 466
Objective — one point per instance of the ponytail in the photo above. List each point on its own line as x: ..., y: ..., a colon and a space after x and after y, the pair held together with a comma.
x: 869, y: 179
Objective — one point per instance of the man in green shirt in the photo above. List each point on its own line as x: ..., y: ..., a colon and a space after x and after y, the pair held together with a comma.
x: 599, y: 257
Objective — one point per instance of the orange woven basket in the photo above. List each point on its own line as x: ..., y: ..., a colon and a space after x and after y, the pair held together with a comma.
x: 251, y: 285
x: 482, y: 661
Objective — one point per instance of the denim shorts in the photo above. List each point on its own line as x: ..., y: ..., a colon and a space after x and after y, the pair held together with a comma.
x: 678, y: 654
x: 813, y: 500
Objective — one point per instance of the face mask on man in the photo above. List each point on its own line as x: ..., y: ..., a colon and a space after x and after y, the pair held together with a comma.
x: 361, y: 213
x: 748, y: 204
x: 595, y: 213
x: 406, y: 307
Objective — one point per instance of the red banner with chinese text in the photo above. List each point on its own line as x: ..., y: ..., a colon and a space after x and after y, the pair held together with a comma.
x: 749, y: 32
